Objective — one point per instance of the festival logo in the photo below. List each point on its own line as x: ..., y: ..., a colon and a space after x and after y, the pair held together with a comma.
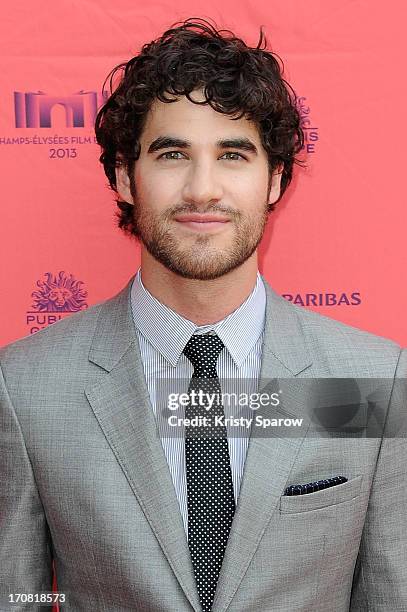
x: 311, y: 135
x: 55, y: 297
x: 46, y: 120
x: 34, y: 109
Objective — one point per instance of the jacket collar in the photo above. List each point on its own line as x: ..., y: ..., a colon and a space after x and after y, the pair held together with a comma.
x: 284, y: 338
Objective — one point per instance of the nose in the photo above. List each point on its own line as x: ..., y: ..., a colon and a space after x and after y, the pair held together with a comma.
x: 202, y: 184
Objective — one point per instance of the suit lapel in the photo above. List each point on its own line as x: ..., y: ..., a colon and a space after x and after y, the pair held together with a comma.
x: 122, y: 406
x: 269, y: 459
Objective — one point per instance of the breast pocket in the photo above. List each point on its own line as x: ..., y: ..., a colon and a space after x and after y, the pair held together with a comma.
x: 291, y: 504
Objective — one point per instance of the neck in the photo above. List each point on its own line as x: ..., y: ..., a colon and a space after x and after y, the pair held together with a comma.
x: 201, y: 301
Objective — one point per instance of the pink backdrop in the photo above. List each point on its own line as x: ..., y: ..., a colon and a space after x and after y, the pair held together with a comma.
x: 339, y: 234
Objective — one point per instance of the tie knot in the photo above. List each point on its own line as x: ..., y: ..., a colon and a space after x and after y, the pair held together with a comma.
x: 203, y: 351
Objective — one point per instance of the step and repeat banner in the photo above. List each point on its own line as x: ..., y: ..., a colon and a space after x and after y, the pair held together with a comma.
x: 336, y: 243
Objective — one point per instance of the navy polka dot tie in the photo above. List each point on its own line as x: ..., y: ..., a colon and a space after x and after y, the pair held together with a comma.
x: 211, y: 504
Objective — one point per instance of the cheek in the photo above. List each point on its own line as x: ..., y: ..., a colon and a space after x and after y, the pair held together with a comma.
x: 156, y: 193
x: 250, y: 195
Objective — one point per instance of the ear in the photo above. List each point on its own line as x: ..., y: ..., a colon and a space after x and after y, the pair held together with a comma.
x: 123, y: 183
x: 275, y: 184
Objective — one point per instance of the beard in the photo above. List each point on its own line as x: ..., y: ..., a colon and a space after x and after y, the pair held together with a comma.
x: 198, y: 257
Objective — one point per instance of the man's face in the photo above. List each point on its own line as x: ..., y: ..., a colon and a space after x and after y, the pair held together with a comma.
x: 200, y: 199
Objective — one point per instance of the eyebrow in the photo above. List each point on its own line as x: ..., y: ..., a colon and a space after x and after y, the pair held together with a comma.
x: 167, y: 142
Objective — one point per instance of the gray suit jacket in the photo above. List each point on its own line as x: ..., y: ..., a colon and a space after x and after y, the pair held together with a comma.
x: 84, y: 480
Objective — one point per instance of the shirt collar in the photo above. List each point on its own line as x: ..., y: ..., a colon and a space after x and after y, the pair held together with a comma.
x: 169, y: 332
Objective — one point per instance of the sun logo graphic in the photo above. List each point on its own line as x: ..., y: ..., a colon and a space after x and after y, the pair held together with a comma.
x: 56, y: 296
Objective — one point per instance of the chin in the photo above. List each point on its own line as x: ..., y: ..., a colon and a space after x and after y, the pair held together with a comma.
x: 199, y: 272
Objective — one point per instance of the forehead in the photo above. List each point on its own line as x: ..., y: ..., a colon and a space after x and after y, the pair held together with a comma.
x: 184, y: 118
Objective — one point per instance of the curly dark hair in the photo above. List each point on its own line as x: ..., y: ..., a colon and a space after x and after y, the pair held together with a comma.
x: 235, y: 79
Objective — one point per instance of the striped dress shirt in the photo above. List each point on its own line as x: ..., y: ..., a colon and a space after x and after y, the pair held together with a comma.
x: 162, y: 335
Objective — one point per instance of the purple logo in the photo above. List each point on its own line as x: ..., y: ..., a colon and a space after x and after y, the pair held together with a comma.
x: 56, y: 297
x: 34, y: 109
x: 60, y: 293
x: 324, y: 299
x: 311, y: 135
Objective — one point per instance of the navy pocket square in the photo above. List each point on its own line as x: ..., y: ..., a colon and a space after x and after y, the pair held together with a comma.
x: 311, y: 487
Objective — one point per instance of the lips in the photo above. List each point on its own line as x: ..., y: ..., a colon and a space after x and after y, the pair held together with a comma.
x: 198, y: 222
x: 197, y: 218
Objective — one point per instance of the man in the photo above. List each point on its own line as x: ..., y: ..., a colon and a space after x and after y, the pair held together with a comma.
x: 198, y: 140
